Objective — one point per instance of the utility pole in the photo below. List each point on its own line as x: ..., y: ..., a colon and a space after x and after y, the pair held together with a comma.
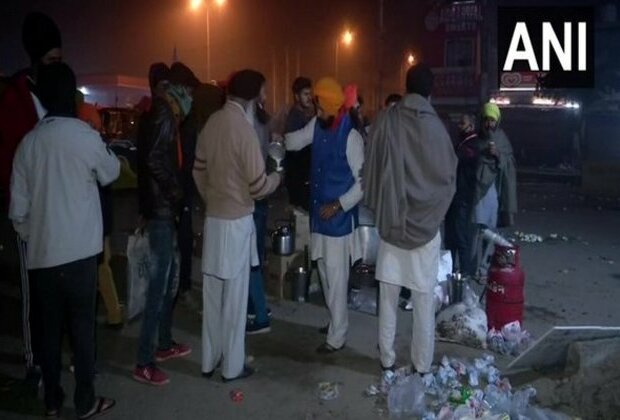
x: 274, y: 75
x: 287, y: 81
x: 379, y: 97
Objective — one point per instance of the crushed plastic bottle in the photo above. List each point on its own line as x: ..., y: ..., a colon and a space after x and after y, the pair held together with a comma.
x: 497, y: 400
x: 372, y: 390
x: 327, y: 391
x: 407, y: 397
x: 521, y: 401
x: 493, y: 375
x: 459, y: 367
x: 464, y: 412
x: 473, y: 378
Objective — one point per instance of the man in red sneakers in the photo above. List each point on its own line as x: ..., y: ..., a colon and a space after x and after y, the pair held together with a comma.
x: 160, y: 192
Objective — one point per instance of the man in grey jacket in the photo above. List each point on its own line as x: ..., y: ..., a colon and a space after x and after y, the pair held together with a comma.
x: 409, y: 180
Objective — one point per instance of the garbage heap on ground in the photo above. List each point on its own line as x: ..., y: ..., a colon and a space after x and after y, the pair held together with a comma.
x: 510, y: 340
x: 456, y: 390
x: 466, y: 323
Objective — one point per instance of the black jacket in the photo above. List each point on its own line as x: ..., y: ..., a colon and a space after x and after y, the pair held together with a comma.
x: 297, y: 164
x: 159, y: 186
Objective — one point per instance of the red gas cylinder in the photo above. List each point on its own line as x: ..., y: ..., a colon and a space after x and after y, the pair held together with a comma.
x: 505, y: 295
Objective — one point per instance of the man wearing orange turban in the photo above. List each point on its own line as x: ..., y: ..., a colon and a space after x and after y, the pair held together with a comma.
x: 89, y: 114
x: 337, y: 158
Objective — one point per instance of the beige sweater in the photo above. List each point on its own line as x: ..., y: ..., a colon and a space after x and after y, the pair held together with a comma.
x: 229, y: 169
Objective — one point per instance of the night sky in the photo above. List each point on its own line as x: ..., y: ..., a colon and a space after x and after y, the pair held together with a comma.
x: 125, y: 36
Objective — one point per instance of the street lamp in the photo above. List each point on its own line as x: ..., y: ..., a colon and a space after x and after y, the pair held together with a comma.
x: 405, y: 65
x: 347, y: 39
x: 197, y: 4
x: 410, y: 59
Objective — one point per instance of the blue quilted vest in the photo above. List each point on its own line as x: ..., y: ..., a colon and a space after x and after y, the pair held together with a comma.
x: 331, y: 177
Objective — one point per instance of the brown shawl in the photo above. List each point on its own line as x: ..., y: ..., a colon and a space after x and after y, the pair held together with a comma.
x: 409, y: 173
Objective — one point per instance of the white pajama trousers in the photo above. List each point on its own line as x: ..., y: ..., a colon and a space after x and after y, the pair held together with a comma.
x: 223, y: 322
x: 230, y: 248
x: 423, y: 331
x: 334, y: 272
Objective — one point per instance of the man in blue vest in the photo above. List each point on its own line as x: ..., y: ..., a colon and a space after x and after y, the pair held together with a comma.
x: 337, y: 158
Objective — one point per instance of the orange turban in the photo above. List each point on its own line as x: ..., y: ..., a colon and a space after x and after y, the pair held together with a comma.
x: 330, y: 95
x: 89, y: 114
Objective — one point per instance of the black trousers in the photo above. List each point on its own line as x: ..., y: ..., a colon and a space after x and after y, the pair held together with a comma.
x: 66, y: 295
x: 460, y: 234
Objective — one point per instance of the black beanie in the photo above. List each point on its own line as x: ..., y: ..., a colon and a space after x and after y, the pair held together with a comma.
x: 181, y: 75
x: 39, y: 35
x: 158, y: 72
x: 246, y: 84
x: 56, y: 89
x: 420, y: 80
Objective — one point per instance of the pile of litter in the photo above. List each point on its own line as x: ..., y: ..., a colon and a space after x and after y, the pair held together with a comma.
x: 455, y: 390
x: 510, y: 340
x: 528, y: 237
x: 466, y: 323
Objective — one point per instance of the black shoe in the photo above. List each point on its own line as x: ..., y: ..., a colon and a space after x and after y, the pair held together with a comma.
x: 208, y: 375
x: 391, y: 368
x: 414, y: 371
x: 327, y: 349
x: 253, y: 327
x: 115, y: 327
x: 324, y: 330
x: 247, y: 371
x: 33, y: 380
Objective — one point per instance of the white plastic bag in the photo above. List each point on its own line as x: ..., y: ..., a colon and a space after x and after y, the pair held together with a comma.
x: 138, y: 268
x: 445, y: 266
x: 463, y: 324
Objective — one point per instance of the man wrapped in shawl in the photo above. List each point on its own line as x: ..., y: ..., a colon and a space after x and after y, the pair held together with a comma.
x: 495, y: 196
x: 335, y: 191
x: 409, y: 180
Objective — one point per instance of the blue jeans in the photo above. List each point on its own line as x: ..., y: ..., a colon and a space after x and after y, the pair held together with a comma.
x: 160, y: 293
x: 256, y: 298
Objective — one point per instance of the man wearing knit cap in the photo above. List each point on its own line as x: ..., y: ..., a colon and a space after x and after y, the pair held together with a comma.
x: 495, y: 192
x: 409, y: 180
x: 335, y: 191
x: 160, y: 160
x: 230, y: 174
x: 20, y: 110
x: 55, y: 208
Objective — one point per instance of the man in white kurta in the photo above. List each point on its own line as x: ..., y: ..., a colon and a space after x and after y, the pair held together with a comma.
x: 409, y: 180
x: 334, y: 253
x: 229, y: 171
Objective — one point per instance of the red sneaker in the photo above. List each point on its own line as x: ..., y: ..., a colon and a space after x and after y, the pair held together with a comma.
x: 150, y: 375
x: 177, y: 350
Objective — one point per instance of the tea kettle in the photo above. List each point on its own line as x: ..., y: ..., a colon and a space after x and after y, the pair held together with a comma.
x: 283, y: 239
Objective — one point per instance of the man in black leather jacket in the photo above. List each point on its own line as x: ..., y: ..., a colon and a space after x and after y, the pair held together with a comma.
x: 160, y: 160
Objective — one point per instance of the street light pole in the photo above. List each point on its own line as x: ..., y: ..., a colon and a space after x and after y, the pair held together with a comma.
x: 195, y: 5
x: 336, y: 60
x: 346, y: 38
x: 208, y: 44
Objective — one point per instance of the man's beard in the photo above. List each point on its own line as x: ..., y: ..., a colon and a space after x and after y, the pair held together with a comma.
x: 326, y: 123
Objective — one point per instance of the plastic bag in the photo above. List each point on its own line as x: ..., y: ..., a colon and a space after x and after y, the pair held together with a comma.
x: 445, y: 266
x: 463, y: 324
x: 521, y: 401
x: 138, y: 269
x: 363, y: 300
x: 407, y: 397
